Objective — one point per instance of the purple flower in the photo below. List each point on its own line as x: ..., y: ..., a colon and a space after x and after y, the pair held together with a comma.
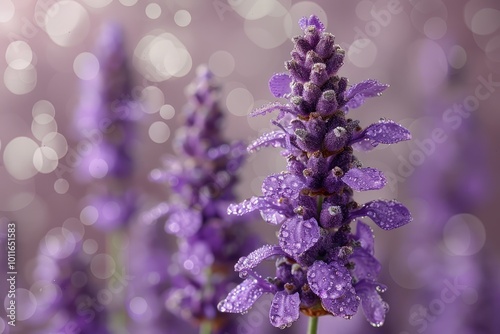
x: 202, y: 177
x: 322, y: 267
x: 66, y: 291
x: 105, y: 119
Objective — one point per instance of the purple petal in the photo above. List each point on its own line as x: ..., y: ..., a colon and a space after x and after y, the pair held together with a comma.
x: 364, y: 235
x: 345, y: 306
x: 374, y: 307
x: 328, y: 280
x: 383, y: 132
x: 242, y: 297
x: 285, y: 309
x: 387, y: 215
x: 297, y: 235
x: 270, y: 139
x: 279, y: 84
x: 256, y: 257
x: 366, y: 266
x: 282, y: 185
x: 356, y: 95
x: 361, y: 179
x: 248, y: 205
x: 313, y: 20
x: 183, y: 223
x: 268, y: 108
x: 272, y: 216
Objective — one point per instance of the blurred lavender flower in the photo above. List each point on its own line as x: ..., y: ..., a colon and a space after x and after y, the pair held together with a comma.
x: 457, y: 278
x: 67, y: 295
x: 149, y: 263
x: 322, y: 267
x: 202, y: 178
x: 105, y: 119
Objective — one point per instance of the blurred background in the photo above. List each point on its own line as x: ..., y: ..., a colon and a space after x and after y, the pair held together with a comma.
x: 440, y: 58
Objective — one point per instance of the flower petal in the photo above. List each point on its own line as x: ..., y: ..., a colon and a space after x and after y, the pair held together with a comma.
x: 285, y: 309
x: 364, y: 235
x: 279, y: 84
x: 328, y: 280
x: 356, y: 95
x: 268, y: 108
x: 242, y: 297
x: 383, y: 132
x: 374, y: 307
x: 366, y: 266
x: 297, y: 235
x: 282, y: 185
x: 312, y: 20
x: 249, y: 262
x: 248, y: 205
x: 387, y: 215
x: 183, y: 223
x: 345, y: 306
x: 270, y: 139
x: 362, y: 179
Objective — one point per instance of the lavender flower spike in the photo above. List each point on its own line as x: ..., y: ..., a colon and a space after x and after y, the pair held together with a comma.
x: 202, y: 178
x: 322, y: 267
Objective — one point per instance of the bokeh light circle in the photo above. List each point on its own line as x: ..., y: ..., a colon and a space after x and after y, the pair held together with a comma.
x: 153, y: 11
x: 362, y: 53
x: 167, y: 112
x: 19, y: 55
x: 27, y: 304
x: 457, y: 56
x: 90, y: 246
x: 182, y: 18
x: 240, y: 102
x: 89, y: 215
x: 7, y: 11
x: 61, y: 186
x: 86, y: 66
x: 45, y: 159
x: 464, y: 235
x: 20, y: 82
x: 97, y: 3
x: 102, y: 266
x: 18, y: 158
x: 159, y: 132
x: 221, y: 63
x: 67, y: 23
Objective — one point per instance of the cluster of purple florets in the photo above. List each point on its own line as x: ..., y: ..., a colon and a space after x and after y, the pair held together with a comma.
x: 322, y: 267
x: 201, y: 178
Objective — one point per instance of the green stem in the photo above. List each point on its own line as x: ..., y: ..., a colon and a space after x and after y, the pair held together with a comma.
x: 313, y: 325
x: 206, y: 327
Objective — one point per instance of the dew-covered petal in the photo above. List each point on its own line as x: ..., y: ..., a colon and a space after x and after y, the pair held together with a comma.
x: 269, y: 108
x: 183, y: 223
x: 248, y: 205
x: 242, y: 297
x: 279, y: 84
x: 272, y: 216
x: 362, y: 179
x: 373, y: 306
x: 356, y: 95
x: 344, y: 306
x: 328, y: 280
x: 285, y: 309
x: 364, y: 235
x: 387, y: 215
x: 253, y: 259
x: 313, y: 20
x: 383, y: 132
x: 366, y: 266
x: 270, y: 139
x: 282, y: 185
x: 297, y: 235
